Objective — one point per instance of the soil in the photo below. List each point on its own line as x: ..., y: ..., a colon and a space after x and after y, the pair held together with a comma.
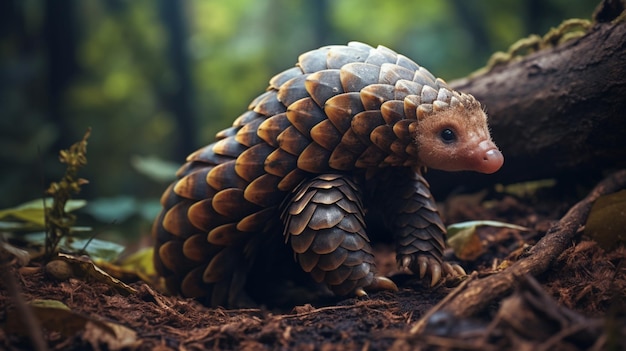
x: 579, y: 303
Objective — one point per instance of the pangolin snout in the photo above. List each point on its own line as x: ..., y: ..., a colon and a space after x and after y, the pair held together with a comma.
x: 492, y: 158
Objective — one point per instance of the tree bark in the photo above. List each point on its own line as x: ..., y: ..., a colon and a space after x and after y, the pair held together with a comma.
x: 556, y: 113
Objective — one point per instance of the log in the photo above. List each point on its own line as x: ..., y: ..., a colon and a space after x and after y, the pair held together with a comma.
x: 557, y: 113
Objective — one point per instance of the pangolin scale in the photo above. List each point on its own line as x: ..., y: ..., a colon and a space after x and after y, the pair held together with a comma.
x: 335, y: 143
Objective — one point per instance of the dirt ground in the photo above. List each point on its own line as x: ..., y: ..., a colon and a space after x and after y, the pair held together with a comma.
x: 577, y: 304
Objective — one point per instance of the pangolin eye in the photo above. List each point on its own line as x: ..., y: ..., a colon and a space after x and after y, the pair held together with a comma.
x: 447, y: 136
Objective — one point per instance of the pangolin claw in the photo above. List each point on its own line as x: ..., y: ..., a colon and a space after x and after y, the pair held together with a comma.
x: 453, y: 269
x: 429, y: 265
x: 382, y: 283
x: 360, y: 292
x: 435, y: 272
x: 422, y: 262
x: 377, y: 284
x: 406, y: 262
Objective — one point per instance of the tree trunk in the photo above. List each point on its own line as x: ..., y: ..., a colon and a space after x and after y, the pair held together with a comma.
x: 556, y: 113
x: 181, y: 98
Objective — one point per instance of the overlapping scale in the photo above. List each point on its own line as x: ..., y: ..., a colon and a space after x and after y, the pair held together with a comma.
x: 269, y: 105
x: 292, y: 179
x: 391, y: 73
x: 382, y: 136
x: 176, y: 220
x: 206, y: 155
x: 281, y: 78
x: 365, y: 122
x: 304, y: 114
x: 221, y: 265
x: 202, y: 215
x: 196, y: 248
x: 323, y: 85
x: 314, y: 158
x: 258, y: 220
x: 231, y: 204
x: 263, y: 191
x: 280, y: 163
x: 194, y: 185
x: 292, y: 141
x: 373, y: 156
x: 356, y: 76
x: 251, y: 163
x: 406, y: 62
x: 172, y: 257
x: 247, y: 135
x: 242, y: 120
x: 292, y: 90
x: 339, y: 56
x: 225, y: 176
x: 227, y: 235
x: 404, y: 88
x: 192, y: 285
x: 340, y: 109
x: 332, y: 260
x: 270, y: 128
x: 326, y: 135
x: 374, y: 95
x: 378, y: 57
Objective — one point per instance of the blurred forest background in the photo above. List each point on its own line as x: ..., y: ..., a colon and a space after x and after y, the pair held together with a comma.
x: 156, y: 79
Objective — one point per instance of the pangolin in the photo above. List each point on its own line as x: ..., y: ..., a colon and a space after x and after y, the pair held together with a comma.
x: 335, y: 144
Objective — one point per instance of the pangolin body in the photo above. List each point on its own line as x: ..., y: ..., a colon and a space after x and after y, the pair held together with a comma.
x: 338, y: 139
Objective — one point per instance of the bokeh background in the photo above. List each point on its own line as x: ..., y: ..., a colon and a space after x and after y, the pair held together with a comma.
x: 156, y: 79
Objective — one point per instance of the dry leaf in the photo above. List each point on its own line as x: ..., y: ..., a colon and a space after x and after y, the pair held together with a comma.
x: 606, y: 223
x: 83, y: 266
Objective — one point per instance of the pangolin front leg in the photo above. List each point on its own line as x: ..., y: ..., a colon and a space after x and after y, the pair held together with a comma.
x: 325, y: 226
x: 413, y: 217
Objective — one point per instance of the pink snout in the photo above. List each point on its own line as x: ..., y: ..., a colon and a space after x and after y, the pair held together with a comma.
x: 491, y: 158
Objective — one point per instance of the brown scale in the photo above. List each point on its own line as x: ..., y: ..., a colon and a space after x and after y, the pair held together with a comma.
x: 288, y: 189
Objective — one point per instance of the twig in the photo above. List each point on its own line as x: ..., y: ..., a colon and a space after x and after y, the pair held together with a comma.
x: 330, y: 308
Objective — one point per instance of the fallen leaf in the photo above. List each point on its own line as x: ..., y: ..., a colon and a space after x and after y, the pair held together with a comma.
x: 114, y: 336
x: 466, y: 244
x: 84, y: 267
x: 22, y: 256
x: 136, y: 266
x: 462, y: 237
x: 53, y: 315
x: 606, y: 223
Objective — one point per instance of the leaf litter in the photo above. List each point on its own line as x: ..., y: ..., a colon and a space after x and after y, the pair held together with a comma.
x: 582, y: 292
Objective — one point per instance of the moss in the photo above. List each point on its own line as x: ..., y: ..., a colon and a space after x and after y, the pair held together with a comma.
x: 568, y: 30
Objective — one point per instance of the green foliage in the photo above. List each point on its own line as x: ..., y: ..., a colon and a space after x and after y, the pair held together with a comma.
x: 155, y: 168
x: 121, y: 78
x: 33, y: 213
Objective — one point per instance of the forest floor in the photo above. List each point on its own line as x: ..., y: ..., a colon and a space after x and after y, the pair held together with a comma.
x: 579, y: 303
